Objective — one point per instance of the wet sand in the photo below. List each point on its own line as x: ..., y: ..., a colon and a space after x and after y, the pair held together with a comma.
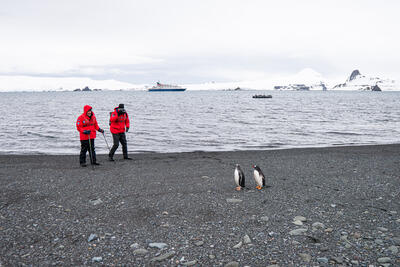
x: 186, y: 202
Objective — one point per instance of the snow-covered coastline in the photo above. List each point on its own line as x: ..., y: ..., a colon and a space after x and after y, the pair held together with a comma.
x: 305, y: 80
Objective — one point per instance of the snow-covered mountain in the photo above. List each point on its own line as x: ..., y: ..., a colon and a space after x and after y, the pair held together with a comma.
x: 357, y: 81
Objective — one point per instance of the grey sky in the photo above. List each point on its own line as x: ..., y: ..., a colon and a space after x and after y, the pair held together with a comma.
x: 186, y: 41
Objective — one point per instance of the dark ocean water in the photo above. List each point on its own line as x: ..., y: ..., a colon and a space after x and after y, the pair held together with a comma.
x: 44, y: 122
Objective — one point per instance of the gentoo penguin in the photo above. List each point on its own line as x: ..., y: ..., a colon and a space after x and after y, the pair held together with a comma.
x: 239, y: 177
x: 259, y: 177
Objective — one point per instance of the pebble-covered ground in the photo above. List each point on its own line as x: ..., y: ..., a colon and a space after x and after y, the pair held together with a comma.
x: 321, y: 207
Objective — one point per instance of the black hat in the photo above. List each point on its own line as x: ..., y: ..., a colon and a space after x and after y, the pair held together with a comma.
x: 121, y: 106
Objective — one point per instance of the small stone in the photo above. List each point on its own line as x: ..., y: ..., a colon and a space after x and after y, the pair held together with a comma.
x: 379, y: 241
x: 232, y: 264
x: 384, y: 260
x: 299, y: 231
x: 300, y: 218
x: 97, y: 259
x: 140, y: 251
x: 329, y: 230
x: 165, y: 213
x: 211, y: 256
x: 396, y: 241
x: 305, y: 257
x: 354, y: 262
x: 92, y: 237
x: 246, y: 240
x: 96, y: 201
x: 158, y: 245
x: 264, y: 218
x: 164, y: 256
x: 337, y: 259
x: 233, y: 200
x: 322, y: 260
x: 382, y: 229
x: 333, y: 205
x: 318, y: 225
x: 134, y: 245
x: 189, y: 263
x: 393, y: 249
x: 356, y: 235
x: 199, y: 243
x: 298, y: 222
x: 238, y: 245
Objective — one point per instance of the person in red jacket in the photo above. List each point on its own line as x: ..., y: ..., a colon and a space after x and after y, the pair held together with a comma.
x: 119, y: 124
x: 87, y: 126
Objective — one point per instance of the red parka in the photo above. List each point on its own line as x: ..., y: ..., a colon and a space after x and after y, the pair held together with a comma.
x: 118, y: 122
x: 85, y: 123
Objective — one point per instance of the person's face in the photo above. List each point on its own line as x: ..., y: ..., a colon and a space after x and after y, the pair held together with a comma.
x: 89, y: 113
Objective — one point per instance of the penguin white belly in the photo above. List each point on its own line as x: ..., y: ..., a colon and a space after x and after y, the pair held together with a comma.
x: 258, y: 178
x: 237, y: 177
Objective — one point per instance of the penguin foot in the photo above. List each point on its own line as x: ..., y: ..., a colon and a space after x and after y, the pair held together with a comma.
x: 258, y: 187
x: 238, y: 188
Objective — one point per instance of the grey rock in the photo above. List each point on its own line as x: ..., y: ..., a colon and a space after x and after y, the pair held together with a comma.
x: 190, y: 263
x: 394, y: 249
x: 140, y: 251
x: 97, y: 259
x: 96, y: 202
x: 338, y: 259
x: 382, y: 229
x: 297, y: 222
x: 379, y: 241
x: 318, y: 225
x: 164, y: 256
x: 305, y: 257
x: 354, y: 262
x: 299, y: 231
x: 199, y: 243
x: 300, y: 218
x: 238, y: 245
x: 158, y: 245
x: 233, y: 200
x: 246, y: 240
x: 211, y: 256
x: 384, y: 260
x: 322, y: 260
x: 232, y: 264
x: 396, y: 241
x: 134, y: 245
x: 264, y: 218
x: 92, y: 237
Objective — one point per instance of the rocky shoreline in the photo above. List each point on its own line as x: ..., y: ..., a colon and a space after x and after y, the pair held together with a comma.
x: 321, y: 207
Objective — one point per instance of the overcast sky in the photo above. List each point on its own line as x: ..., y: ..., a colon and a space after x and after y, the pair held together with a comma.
x: 192, y: 41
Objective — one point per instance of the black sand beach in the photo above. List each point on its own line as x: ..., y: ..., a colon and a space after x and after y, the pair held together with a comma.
x: 186, y: 202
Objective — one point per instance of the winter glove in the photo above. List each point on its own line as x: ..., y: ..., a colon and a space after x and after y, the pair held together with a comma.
x: 86, y: 131
x: 127, y: 129
x: 101, y: 130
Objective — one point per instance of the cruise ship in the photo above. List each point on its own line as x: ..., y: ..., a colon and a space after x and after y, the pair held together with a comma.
x: 160, y: 87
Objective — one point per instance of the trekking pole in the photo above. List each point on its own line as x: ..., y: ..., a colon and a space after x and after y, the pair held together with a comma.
x: 90, y: 153
x: 109, y: 150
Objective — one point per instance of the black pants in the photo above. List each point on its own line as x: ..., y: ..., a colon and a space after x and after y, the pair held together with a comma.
x: 119, y: 138
x: 84, y: 149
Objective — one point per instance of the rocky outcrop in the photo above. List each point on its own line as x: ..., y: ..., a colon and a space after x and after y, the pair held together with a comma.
x: 354, y: 75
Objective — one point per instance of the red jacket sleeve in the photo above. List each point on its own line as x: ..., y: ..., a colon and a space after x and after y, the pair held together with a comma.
x: 79, y: 125
x: 114, y: 116
x: 127, y: 122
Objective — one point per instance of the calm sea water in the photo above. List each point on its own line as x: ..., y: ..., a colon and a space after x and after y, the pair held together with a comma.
x: 44, y: 123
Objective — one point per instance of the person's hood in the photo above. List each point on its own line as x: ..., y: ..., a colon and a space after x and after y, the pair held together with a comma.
x: 86, y: 108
